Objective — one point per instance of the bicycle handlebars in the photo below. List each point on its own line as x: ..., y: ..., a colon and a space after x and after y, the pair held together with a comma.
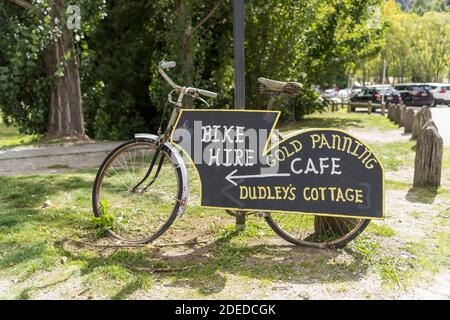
x: 164, y: 65
x: 207, y: 93
x: 167, y: 65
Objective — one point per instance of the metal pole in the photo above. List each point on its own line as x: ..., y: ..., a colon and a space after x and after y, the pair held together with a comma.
x: 239, y: 75
x: 384, y: 80
x: 239, y: 54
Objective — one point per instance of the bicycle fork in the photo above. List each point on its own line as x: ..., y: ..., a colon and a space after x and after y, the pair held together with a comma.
x: 159, y: 144
x: 150, y: 169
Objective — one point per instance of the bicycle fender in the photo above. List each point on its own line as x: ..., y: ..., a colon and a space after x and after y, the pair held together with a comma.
x: 180, y: 166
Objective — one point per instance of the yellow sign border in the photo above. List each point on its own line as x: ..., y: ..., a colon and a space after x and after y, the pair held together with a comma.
x: 266, y: 150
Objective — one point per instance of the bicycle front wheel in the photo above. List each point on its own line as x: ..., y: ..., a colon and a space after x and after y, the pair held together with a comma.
x: 316, y: 231
x: 137, y: 215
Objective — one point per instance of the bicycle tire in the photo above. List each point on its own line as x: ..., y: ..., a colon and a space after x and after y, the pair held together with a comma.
x: 336, y: 243
x: 99, y: 178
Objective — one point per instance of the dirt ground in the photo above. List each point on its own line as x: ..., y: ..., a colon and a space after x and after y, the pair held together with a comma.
x: 319, y: 274
x: 193, y: 243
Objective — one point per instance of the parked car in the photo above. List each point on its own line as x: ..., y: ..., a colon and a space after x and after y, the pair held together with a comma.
x: 341, y: 96
x: 344, y: 95
x: 374, y: 94
x: 441, y: 92
x: 416, y: 94
x: 356, y: 89
x: 329, y: 94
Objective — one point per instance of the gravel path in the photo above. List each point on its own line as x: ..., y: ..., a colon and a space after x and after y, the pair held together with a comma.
x: 441, y: 116
x: 49, y: 159
x: 53, y: 158
x: 67, y: 157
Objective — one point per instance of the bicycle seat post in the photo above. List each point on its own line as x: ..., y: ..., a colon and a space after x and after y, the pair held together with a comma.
x: 272, y: 98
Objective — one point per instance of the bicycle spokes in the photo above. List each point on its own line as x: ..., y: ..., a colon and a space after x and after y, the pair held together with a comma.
x: 137, y: 213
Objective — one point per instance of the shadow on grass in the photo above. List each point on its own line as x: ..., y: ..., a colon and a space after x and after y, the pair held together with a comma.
x: 364, y: 111
x: 32, y: 191
x: 20, y: 254
x: 422, y: 195
x: 203, y: 267
x: 26, y: 293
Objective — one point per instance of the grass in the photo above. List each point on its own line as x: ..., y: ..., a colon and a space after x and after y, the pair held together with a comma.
x: 380, y: 230
x: 341, y: 120
x: 33, y: 241
x: 41, y: 254
x: 414, y: 260
x: 11, y: 137
x: 415, y: 214
x: 395, y: 155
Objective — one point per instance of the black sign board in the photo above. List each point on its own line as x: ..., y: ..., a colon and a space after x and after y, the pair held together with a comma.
x: 243, y: 165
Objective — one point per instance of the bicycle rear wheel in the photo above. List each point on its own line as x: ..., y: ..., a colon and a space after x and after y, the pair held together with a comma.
x: 316, y: 231
x: 137, y: 215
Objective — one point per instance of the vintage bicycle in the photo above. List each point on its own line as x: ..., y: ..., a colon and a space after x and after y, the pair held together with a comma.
x: 142, y: 186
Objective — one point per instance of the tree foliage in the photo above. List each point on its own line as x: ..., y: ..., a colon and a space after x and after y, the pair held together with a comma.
x: 416, y: 47
x: 314, y: 42
x: 24, y: 85
x: 26, y: 79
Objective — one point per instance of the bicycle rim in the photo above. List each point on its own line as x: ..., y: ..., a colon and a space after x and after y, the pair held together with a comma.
x: 316, y: 231
x: 136, y: 217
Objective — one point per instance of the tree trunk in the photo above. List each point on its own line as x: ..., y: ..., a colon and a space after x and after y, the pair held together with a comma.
x: 188, y: 58
x: 183, y: 31
x: 331, y: 226
x: 66, y: 115
x: 364, y: 73
x: 187, y: 55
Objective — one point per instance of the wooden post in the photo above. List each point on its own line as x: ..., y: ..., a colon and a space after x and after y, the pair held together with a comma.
x: 369, y: 107
x: 403, y: 110
x: 409, y: 120
x: 428, y: 162
x: 430, y: 123
x: 391, y: 112
x: 420, y: 119
x: 396, y: 114
x: 383, y: 109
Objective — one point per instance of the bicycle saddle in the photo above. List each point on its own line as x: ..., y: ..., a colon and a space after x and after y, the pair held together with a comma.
x: 292, y: 88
